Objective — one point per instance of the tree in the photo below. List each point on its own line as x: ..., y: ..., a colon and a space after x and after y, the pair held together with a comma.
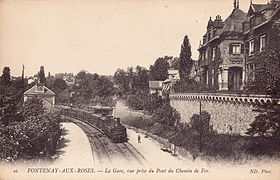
x: 9, y: 111
x: 33, y: 107
x: 142, y: 79
x: 159, y: 71
x: 201, y: 123
x: 166, y: 115
x: 121, y: 79
x: 105, y: 87
x: 185, y: 61
x: 59, y: 84
x: 152, y: 102
x: 42, y: 78
x: 6, y: 76
x: 267, y: 123
x: 175, y: 63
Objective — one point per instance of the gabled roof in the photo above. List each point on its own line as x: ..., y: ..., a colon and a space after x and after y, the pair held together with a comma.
x: 34, y: 91
x: 269, y: 19
x: 234, y: 22
x: 257, y: 8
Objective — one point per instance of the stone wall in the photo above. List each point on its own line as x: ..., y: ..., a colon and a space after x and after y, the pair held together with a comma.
x: 229, y: 113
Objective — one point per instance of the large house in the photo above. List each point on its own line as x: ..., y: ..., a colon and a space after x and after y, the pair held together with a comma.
x: 42, y: 92
x: 226, y: 56
x: 261, y: 18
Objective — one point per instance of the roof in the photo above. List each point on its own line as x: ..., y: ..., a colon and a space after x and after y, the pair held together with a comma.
x: 43, y: 91
x: 155, y: 84
x: 257, y: 8
x: 269, y: 18
x: 234, y: 22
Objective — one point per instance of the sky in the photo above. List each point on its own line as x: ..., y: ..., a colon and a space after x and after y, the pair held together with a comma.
x: 101, y: 36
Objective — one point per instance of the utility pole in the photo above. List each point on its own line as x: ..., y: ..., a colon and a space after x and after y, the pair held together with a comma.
x: 22, y: 76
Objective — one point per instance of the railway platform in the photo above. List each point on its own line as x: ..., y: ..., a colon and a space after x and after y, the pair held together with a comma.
x: 74, y: 147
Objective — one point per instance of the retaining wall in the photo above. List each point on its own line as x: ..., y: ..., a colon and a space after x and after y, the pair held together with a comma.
x: 229, y: 113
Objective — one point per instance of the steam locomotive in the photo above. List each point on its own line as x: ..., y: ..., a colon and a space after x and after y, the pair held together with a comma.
x: 100, y: 117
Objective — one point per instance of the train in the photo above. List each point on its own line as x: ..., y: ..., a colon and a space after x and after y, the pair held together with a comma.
x: 100, y: 117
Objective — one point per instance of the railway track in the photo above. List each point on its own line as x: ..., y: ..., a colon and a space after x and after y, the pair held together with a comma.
x: 131, y: 153
x: 99, y: 145
x: 99, y: 149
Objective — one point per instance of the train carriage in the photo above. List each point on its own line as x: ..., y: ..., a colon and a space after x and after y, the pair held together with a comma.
x: 100, y: 117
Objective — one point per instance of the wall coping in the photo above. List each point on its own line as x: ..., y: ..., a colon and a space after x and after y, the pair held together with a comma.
x: 223, y: 97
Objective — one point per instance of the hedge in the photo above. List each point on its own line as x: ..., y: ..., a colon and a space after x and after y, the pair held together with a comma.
x: 35, y: 137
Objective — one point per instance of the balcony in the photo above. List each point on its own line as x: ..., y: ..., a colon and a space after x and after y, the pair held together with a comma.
x: 236, y: 60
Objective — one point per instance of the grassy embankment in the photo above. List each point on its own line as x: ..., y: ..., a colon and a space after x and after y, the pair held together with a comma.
x: 223, y: 147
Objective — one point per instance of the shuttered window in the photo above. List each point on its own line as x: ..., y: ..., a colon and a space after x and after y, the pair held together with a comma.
x: 251, y: 47
x: 230, y: 48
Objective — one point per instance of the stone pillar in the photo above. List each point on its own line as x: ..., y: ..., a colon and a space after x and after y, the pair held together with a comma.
x: 220, y: 80
x: 243, y: 79
x: 223, y: 80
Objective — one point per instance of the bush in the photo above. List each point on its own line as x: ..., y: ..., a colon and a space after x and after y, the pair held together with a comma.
x: 135, y: 102
x: 34, y: 137
x: 140, y: 122
x: 166, y: 115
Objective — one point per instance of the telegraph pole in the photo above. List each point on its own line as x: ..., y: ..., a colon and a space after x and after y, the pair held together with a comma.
x: 22, y: 76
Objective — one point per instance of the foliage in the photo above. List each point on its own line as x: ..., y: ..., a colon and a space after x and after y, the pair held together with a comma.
x: 267, y: 63
x: 142, y: 79
x: 132, y: 81
x: 37, y: 136
x: 267, y: 123
x: 185, y: 62
x: 9, y: 111
x: 134, y: 102
x: 159, y: 71
x: 10, y: 100
x: 41, y: 74
x: 121, y: 79
x: 105, y: 87
x: 59, y: 84
x: 201, y: 123
x: 89, y: 88
x: 166, y: 115
x: 152, y: 102
x: 33, y: 107
x: 175, y: 63
x: 191, y: 86
x: 6, y: 76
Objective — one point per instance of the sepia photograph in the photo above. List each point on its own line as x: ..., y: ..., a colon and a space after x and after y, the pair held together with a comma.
x: 140, y: 89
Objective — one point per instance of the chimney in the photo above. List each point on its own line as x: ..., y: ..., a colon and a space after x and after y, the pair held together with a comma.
x: 118, y: 121
x: 237, y: 6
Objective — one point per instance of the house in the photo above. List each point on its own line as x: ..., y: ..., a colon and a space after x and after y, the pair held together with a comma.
x: 221, y: 55
x: 261, y: 18
x: 42, y: 92
x: 173, y: 77
x: 155, y: 87
x: 227, y: 55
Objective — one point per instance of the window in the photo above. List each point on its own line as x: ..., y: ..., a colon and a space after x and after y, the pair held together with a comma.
x: 214, y: 54
x: 39, y: 88
x: 262, y: 42
x: 213, y: 72
x: 251, y: 47
x: 236, y: 48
